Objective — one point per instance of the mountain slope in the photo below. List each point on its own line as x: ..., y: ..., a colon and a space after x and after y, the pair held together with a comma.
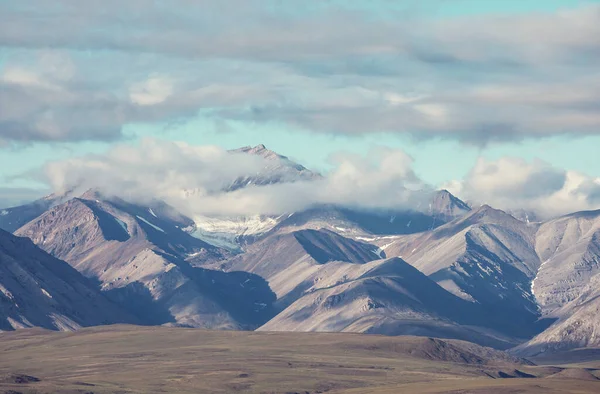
x: 293, y: 261
x: 443, y: 207
x: 137, y: 254
x: 487, y: 257
x: 236, y: 232
x: 37, y: 289
x: 567, y: 285
x: 278, y: 169
x: 13, y: 218
x: 387, y: 297
x: 448, y: 207
x: 579, y: 328
x: 326, y: 282
x: 569, y: 248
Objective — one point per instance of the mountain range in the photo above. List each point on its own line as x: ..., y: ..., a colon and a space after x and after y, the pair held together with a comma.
x: 451, y: 270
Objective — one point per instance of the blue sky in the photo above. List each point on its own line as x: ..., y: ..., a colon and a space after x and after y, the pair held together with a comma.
x: 450, y: 82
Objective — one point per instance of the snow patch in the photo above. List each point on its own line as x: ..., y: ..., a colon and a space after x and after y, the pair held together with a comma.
x: 342, y: 229
x: 122, y: 224
x: 46, y: 293
x: 15, y: 324
x: 7, y: 293
x: 536, y: 276
x: 151, y: 225
x: 224, y: 232
x: 366, y: 239
x: 152, y: 212
x: 4, y: 212
x: 250, y: 225
x: 379, y: 251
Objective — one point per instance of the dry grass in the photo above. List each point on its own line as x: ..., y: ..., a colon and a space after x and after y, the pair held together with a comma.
x: 127, y: 359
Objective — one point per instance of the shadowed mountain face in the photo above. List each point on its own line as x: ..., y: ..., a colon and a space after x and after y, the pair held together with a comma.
x: 37, y: 289
x: 486, y: 257
x: 138, y: 256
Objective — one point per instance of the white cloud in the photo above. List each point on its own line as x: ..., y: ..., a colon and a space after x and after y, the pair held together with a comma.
x: 536, y: 186
x: 193, y: 179
x: 330, y: 69
x: 152, y: 91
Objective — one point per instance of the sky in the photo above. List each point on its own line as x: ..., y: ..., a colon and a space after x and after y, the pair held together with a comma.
x: 496, y: 100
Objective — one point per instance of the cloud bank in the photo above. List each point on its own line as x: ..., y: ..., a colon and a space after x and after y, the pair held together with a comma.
x: 516, y: 184
x: 328, y: 68
x: 197, y: 180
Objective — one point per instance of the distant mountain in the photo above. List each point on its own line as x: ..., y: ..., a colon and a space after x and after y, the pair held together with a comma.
x: 447, y: 207
x: 569, y: 248
x: 385, y: 297
x: 487, y: 257
x: 498, y: 278
x: 278, y: 169
x: 37, y: 289
x: 305, y: 267
x: 13, y: 218
x: 138, y: 253
x: 292, y: 262
x: 236, y: 233
x: 360, y: 222
x: 567, y: 285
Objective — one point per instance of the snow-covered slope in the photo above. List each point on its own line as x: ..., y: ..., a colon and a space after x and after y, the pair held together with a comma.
x: 37, y: 289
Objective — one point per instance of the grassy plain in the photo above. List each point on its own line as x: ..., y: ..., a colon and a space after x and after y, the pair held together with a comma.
x: 128, y: 359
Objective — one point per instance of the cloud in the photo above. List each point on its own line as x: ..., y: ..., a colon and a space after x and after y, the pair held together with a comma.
x: 330, y: 68
x: 195, y: 179
x: 42, y: 103
x: 154, y: 90
x: 198, y: 181
x: 535, y: 186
